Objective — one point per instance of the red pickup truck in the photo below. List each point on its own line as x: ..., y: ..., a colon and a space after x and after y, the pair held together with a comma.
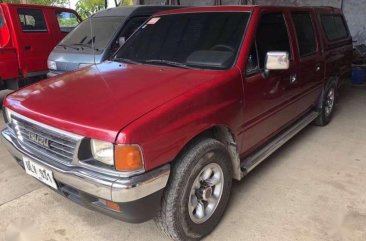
x: 195, y: 98
x: 28, y: 33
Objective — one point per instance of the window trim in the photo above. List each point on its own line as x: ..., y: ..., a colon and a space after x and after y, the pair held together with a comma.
x: 344, y: 23
x: 314, y: 30
x: 32, y: 31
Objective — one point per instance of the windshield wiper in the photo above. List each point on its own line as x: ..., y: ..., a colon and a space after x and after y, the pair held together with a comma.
x: 67, y: 46
x: 168, y: 63
x: 129, y: 61
x: 83, y: 45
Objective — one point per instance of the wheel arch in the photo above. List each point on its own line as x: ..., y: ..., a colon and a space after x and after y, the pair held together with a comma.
x: 328, y: 82
x: 224, y: 135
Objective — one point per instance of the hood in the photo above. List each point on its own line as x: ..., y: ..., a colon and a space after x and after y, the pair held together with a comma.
x: 100, y: 100
x: 70, y: 59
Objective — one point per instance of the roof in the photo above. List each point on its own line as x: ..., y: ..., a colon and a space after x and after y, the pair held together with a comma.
x: 242, y: 8
x: 132, y: 10
x: 34, y: 5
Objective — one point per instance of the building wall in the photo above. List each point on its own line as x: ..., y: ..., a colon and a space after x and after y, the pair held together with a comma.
x: 354, y: 10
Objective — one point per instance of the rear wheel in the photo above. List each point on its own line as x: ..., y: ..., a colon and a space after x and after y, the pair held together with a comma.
x: 198, y: 191
x: 327, y: 105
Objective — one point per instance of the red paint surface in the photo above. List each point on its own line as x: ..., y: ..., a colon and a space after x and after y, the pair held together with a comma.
x: 163, y: 108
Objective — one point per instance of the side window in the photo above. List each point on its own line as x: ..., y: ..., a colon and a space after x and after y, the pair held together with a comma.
x: 305, y: 33
x: 334, y: 27
x: 252, y: 63
x: 272, y: 35
x: 2, y: 21
x: 32, y: 20
x: 67, y: 21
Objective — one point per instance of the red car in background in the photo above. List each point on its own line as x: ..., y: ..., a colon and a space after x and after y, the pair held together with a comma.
x: 28, y: 33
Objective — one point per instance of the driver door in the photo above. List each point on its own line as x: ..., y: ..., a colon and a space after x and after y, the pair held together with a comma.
x: 267, y: 97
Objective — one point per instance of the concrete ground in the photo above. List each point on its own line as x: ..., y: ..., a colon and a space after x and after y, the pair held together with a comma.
x: 311, y: 189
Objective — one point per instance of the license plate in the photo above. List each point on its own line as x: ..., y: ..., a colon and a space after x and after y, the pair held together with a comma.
x: 39, y: 172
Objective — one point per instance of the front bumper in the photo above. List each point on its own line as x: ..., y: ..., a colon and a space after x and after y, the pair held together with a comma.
x: 53, y: 73
x: 132, y: 192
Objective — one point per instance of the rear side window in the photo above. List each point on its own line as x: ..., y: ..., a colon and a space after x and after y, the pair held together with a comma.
x: 305, y: 33
x: 32, y: 20
x: 334, y: 27
x: 272, y: 35
x: 67, y: 21
x: 2, y: 21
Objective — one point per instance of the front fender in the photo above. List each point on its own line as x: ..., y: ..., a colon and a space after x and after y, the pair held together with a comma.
x: 163, y: 132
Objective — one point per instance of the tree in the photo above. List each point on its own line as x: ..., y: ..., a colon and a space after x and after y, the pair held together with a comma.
x: 123, y: 2
x: 85, y: 8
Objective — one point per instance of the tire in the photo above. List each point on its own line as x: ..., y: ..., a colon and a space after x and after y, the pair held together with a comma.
x: 180, y: 217
x: 327, y: 105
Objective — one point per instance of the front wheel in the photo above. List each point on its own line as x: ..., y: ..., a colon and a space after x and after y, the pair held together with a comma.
x: 327, y: 105
x: 198, y: 191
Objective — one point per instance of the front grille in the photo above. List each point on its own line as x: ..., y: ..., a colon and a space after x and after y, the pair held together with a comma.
x: 44, y: 142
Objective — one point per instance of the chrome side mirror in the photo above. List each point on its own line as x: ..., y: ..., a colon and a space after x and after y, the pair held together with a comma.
x: 277, y: 61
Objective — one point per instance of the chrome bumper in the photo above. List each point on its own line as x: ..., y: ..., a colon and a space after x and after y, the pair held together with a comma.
x: 97, y: 184
x: 51, y: 74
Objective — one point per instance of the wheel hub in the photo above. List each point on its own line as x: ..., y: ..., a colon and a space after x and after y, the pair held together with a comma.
x: 206, y: 193
x: 329, y: 103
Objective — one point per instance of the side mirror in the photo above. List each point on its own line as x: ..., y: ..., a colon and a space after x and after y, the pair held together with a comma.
x: 277, y: 61
x: 121, y: 41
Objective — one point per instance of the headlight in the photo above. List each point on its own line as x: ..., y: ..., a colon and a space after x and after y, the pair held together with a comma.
x: 103, y: 151
x: 51, y: 65
x: 124, y: 158
x: 7, y: 115
x: 84, y: 65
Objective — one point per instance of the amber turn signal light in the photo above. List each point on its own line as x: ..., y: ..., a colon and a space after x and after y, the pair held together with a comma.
x: 112, y: 205
x: 128, y: 158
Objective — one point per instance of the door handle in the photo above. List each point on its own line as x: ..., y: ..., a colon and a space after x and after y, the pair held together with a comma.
x: 317, y: 68
x: 28, y: 47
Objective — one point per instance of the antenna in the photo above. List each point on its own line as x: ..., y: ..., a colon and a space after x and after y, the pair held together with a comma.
x: 92, y: 37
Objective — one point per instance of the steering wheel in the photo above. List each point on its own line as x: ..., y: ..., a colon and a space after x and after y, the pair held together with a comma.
x: 223, y: 47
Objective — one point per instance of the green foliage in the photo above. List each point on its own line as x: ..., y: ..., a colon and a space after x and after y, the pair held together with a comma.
x: 124, y: 2
x: 68, y: 22
x: 85, y: 8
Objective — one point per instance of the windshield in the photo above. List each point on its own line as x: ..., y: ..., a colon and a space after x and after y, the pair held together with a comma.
x: 202, y: 40
x: 103, y: 30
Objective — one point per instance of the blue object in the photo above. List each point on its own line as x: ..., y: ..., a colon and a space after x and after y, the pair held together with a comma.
x: 358, y: 75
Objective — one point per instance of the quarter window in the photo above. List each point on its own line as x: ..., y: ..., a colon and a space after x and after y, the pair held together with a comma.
x: 272, y: 35
x: 252, y: 63
x: 32, y: 20
x: 335, y: 27
x: 305, y: 33
x: 67, y: 21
